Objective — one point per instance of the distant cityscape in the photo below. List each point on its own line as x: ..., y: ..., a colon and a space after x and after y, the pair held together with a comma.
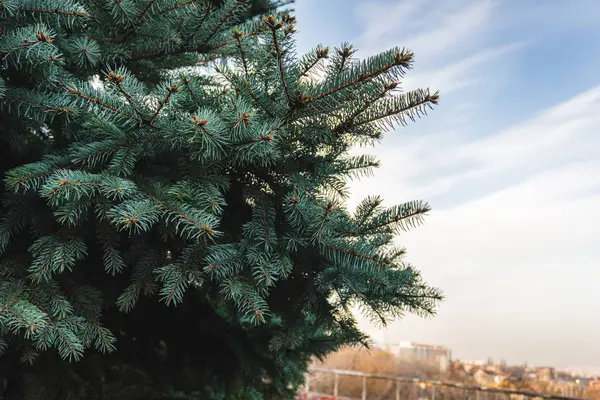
x: 497, y: 374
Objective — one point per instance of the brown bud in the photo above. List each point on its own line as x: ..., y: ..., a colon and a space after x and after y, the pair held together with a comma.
x: 345, y: 52
x: 403, y: 58
x: 198, y: 122
x: 42, y: 37
x: 208, y: 230
x: 265, y: 138
x: 391, y: 86
x: 245, y: 118
x: 278, y: 25
x: 305, y: 99
x: 174, y: 88
x: 237, y: 34
x: 115, y: 77
x: 322, y: 53
x: 270, y: 21
x: 328, y: 207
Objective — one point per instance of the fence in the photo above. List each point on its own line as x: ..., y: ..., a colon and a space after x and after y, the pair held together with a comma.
x: 408, y: 388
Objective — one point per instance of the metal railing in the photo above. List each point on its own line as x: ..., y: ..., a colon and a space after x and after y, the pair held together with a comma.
x: 414, y: 388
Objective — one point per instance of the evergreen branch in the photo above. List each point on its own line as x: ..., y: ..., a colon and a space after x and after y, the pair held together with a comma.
x: 179, y: 5
x: 170, y: 298
x: 65, y: 110
x: 186, y: 83
x: 223, y: 261
x: 353, y: 253
x: 265, y: 220
x: 176, y: 279
x: 94, y: 100
x: 135, y: 216
x: 403, y: 216
x: 111, y: 257
x: 402, y: 108
x: 328, y: 209
x: 366, y: 209
x: 270, y: 22
x: 141, y: 279
x: 207, y: 13
x: 157, y: 37
x: 161, y: 103
x: 227, y: 17
x: 183, y: 50
x: 257, y: 313
x: 64, y: 185
x: 237, y: 35
x: 245, y: 87
x: 402, y: 59
x: 320, y: 54
x: 58, y: 12
x: 30, y: 176
x: 359, y: 110
x: 354, y: 166
x: 145, y: 10
x: 345, y: 53
x: 117, y: 80
x: 200, y: 228
x: 40, y: 37
x: 119, y: 4
x: 216, y: 265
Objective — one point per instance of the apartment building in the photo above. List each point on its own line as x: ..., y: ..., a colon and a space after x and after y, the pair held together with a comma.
x: 424, y: 353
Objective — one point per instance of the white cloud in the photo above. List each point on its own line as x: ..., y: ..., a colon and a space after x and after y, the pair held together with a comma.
x: 535, y: 240
x: 450, y: 39
x: 513, y: 234
x: 431, y: 26
x: 519, y: 268
x: 459, y: 75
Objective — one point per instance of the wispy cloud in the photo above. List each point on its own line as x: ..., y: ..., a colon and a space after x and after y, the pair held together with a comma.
x: 431, y: 26
x: 508, y: 161
x: 447, y: 38
x: 511, y: 238
x: 518, y: 260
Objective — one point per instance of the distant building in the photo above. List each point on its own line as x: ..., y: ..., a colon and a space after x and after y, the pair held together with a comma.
x: 546, y: 374
x: 483, y: 378
x: 434, y: 355
x: 474, y: 362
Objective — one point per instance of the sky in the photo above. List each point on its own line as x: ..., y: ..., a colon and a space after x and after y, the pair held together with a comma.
x: 509, y: 162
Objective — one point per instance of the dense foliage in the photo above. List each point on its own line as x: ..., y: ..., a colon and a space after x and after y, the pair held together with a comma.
x: 174, y: 231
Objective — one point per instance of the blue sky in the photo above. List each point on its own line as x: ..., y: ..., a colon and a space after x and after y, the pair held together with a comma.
x: 508, y: 160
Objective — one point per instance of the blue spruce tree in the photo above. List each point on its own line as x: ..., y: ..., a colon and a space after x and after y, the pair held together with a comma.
x: 173, y: 221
